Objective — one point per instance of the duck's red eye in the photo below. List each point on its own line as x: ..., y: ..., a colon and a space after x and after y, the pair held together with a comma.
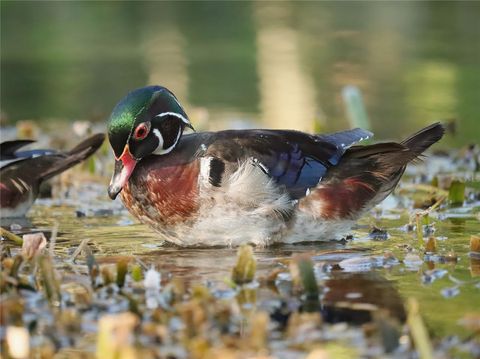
x: 141, y: 131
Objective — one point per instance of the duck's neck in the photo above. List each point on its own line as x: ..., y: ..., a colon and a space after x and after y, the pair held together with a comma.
x: 164, y: 193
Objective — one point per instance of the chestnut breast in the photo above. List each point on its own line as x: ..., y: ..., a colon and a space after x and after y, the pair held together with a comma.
x: 162, y: 192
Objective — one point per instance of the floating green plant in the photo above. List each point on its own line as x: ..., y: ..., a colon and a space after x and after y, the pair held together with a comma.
x: 244, y: 270
x: 309, y: 282
x: 122, y: 268
x: 137, y: 272
x: 456, y: 193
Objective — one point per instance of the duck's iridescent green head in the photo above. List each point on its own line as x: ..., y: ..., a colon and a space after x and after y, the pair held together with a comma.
x: 147, y: 121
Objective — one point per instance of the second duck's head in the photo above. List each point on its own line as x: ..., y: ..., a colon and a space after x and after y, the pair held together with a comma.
x: 147, y: 121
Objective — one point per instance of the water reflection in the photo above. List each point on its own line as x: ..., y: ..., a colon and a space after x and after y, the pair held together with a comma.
x: 164, y: 58
x: 284, y: 63
x: 286, y: 89
x: 435, y: 84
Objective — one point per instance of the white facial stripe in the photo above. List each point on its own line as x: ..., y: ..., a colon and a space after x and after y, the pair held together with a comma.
x: 160, y: 150
x: 157, y: 133
x: 174, y: 144
x: 175, y: 115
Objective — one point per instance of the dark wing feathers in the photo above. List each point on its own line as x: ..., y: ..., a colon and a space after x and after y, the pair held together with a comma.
x: 345, y: 139
x: 9, y: 153
x: 20, y: 177
x: 8, y: 148
x: 80, y: 152
x: 39, y: 165
x: 294, y: 159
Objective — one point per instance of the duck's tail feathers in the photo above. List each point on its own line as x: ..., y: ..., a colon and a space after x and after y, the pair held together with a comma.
x: 366, y: 175
x: 423, y: 139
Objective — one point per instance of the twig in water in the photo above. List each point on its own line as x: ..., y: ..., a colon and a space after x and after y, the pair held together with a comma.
x: 418, y: 331
x: 49, y: 280
x: 79, y: 250
x: 420, y: 214
x: 53, y: 239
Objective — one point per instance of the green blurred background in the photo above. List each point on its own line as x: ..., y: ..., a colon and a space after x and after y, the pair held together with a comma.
x: 247, y: 63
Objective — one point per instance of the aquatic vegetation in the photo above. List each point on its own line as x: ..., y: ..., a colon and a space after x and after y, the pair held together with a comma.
x: 9, y: 236
x: 244, y: 270
x: 456, y: 193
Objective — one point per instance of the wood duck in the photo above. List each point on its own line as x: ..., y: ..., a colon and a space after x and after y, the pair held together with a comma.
x: 22, y: 172
x: 237, y: 186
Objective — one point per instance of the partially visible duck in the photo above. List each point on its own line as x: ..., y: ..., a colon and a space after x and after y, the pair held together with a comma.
x: 237, y: 186
x: 22, y: 172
